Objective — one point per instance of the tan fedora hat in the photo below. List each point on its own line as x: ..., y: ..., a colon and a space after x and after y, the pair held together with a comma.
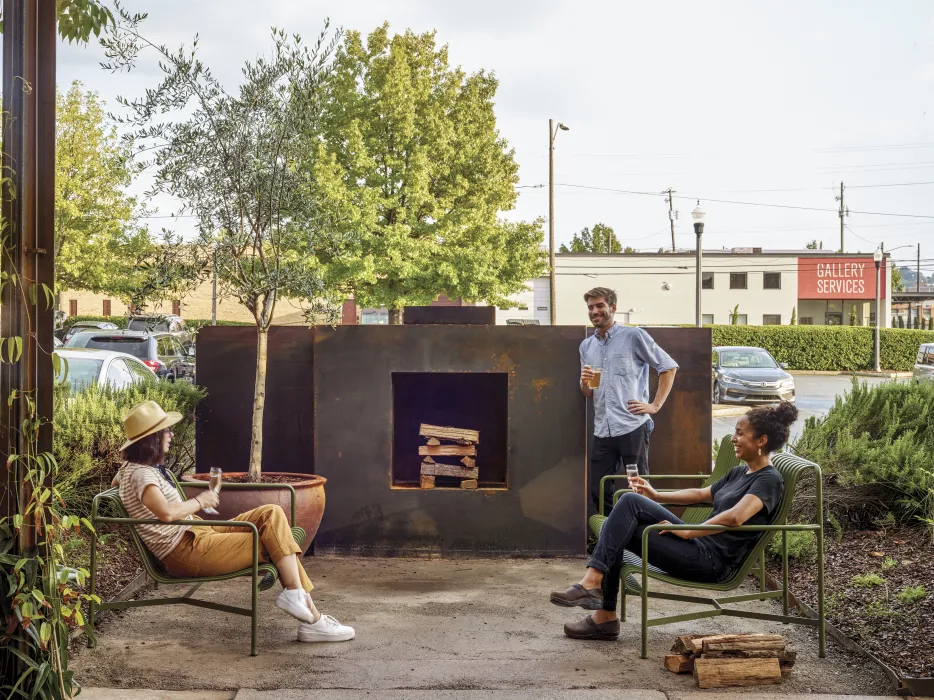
x: 145, y: 419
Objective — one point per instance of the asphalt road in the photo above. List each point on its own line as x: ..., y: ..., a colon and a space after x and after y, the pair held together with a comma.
x: 815, y: 396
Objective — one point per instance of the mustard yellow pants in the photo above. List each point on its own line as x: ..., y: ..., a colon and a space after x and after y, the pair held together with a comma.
x: 207, y: 550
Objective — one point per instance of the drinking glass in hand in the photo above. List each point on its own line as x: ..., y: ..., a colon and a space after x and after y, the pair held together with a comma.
x: 632, y: 471
x: 214, y: 481
x: 594, y: 383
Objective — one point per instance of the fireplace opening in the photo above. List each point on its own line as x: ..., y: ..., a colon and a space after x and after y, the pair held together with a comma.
x: 475, y: 402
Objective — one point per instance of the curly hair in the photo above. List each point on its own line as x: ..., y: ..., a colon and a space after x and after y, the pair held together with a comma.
x: 774, y: 422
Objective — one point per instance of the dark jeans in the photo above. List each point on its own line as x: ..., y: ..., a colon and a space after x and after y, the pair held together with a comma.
x: 610, y: 455
x: 687, y: 559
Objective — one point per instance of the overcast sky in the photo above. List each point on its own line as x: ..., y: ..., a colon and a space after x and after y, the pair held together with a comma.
x: 762, y: 102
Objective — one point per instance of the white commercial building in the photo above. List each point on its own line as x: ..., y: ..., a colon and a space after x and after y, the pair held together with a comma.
x: 758, y: 287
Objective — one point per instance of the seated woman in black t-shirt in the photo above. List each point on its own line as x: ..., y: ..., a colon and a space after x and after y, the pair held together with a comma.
x: 748, y: 494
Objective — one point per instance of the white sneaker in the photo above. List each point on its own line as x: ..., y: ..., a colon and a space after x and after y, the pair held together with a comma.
x: 293, y: 602
x: 326, y: 629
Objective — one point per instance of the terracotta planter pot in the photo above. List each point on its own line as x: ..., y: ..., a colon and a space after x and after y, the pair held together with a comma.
x: 309, y: 499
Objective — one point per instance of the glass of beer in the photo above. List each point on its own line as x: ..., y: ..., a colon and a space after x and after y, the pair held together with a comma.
x: 594, y: 383
x: 214, y: 483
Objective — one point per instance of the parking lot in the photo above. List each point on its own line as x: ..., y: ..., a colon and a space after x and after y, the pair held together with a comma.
x: 815, y: 394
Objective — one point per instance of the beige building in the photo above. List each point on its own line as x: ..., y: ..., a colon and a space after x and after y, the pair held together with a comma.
x: 195, y: 306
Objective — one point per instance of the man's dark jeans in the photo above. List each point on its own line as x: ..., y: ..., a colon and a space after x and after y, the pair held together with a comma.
x: 610, y: 455
x: 622, y: 530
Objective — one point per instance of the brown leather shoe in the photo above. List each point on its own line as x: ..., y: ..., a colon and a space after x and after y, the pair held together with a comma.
x: 588, y: 629
x: 578, y: 596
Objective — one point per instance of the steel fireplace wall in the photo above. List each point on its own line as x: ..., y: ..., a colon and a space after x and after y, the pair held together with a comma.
x: 329, y: 411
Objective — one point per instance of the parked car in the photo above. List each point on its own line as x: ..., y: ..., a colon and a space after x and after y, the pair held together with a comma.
x: 161, y: 323
x: 749, y: 375
x: 924, y: 364
x: 64, y: 334
x: 163, y: 353
x: 85, y: 367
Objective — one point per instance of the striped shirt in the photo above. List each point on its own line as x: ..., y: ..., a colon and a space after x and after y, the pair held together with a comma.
x: 134, y: 479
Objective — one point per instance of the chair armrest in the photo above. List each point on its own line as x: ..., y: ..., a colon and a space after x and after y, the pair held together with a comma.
x: 648, y: 477
x: 187, y: 523
x: 618, y: 494
x: 262, y: 487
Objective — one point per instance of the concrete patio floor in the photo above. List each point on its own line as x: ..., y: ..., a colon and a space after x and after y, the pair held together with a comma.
x: 447, y: 626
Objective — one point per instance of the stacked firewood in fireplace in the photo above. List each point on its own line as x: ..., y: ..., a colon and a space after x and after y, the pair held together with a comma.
x: 448, y: 455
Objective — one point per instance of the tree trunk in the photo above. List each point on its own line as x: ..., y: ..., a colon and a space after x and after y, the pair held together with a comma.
x: 395, y: 317
x: 259, y: 406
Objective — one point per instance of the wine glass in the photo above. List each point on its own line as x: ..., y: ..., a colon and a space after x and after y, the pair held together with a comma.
x: 214, y: 480
x: 632, y: 471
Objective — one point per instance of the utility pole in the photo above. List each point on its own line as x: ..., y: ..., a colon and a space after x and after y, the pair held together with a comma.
x: 843, y: 212
x: 671, y: 218
x: 552, y: 132
x: 551, y: 221
x: 918, y: 286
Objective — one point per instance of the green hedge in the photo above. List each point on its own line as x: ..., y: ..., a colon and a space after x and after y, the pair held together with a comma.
x: 88, y: 433
x: 830, y: 348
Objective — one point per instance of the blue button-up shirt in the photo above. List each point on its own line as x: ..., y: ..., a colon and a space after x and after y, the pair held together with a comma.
x: 625, y: 355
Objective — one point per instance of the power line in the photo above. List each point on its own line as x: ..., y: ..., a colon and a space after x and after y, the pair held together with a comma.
x: 747, y: 204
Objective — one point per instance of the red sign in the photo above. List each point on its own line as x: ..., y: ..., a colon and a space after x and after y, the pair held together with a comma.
x: 839, y: 278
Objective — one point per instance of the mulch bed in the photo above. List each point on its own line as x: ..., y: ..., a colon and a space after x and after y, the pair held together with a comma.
x: 868, y: 610
x: 117, y: 560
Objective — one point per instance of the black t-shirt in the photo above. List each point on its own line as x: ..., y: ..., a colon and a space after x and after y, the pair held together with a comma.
x: 732, y: 547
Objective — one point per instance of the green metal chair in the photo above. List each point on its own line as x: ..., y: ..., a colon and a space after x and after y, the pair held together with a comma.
x: 263, y: 575
x: 726, y: 460
x: 791, y: 468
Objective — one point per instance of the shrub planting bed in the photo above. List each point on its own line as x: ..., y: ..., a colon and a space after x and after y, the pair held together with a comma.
x: 879, y: 591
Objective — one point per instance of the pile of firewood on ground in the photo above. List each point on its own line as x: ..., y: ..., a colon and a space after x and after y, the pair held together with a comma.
x: 723, y: 660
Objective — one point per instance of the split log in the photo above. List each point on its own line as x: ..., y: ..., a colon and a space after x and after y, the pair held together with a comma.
x: 434, y: 441
x: 740, y: 643
x: 468, y: 462
x: 450, y: 470
x: 724, y: 673
x: 784, y: 657
x: 447, y: 450
x: 469, y: 484
x: 679, y: 663
x: 428, y: 460
x: 449, y: 433
x: 685, y: 644
x: 428, y: 482
x: 694, y: 643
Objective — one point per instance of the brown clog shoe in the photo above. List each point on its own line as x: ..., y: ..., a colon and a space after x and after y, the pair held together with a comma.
x: 578, y: 596
x: 588, y: 629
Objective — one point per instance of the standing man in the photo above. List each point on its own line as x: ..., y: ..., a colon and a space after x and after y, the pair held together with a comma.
x: 622, y: 412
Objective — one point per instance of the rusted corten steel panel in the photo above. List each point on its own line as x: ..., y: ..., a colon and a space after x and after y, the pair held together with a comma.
x: 541, y: 510
x: 226, y: 367
x: 681, y: 440
x: 330, y: 410
x: 472, y: 315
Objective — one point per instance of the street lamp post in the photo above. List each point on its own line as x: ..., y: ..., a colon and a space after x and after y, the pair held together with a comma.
x: 877, y: 259
x: 552, y: 132
x: 698, y: 215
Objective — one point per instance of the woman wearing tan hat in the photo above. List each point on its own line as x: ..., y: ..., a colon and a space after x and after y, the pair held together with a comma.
x: 147, y: 491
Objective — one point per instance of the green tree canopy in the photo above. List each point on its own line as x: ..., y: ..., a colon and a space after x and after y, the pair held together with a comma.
x: 898, y: 284
x: 412, y: 144
x: 600, y: 239
x: 97, y: 240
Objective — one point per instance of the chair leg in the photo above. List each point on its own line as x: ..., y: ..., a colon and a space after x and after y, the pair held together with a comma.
x: 93, y: 589
x: 645, y: 611
x: 762, y: 571
x: 821, y: 626
x: 622, y: 604
x: 784, y: 573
